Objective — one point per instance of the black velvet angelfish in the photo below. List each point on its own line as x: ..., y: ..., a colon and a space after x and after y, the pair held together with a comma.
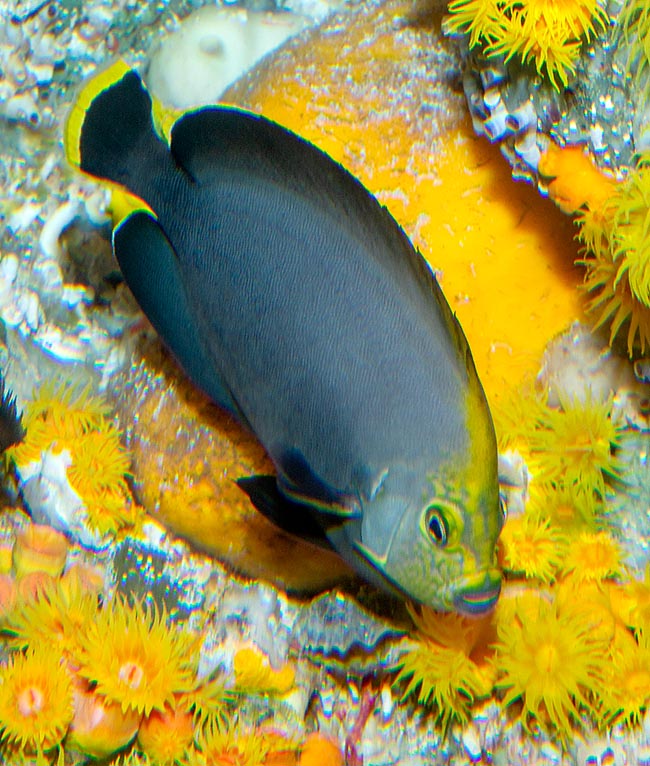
x: 293, y: 299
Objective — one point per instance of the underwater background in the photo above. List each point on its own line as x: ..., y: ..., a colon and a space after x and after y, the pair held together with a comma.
x: 148, y: 613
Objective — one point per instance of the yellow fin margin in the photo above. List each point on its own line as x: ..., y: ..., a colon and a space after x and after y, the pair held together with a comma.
x: 164, y: 117
x: 123, y: 203
x: 100, y: 82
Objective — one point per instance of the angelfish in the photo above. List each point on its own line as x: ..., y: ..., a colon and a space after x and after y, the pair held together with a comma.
x: 293, y: 298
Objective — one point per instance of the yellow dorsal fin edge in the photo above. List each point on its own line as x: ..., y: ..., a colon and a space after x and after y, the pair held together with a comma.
x: 123, y: 203
x: 72, y: 134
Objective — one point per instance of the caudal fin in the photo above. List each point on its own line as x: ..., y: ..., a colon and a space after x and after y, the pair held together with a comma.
x: 110, y: 126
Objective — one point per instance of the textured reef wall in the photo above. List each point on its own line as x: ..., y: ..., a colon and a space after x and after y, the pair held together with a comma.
x: 120, y: 638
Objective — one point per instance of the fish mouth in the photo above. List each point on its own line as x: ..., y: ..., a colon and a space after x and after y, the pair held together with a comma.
x: 479, y: 598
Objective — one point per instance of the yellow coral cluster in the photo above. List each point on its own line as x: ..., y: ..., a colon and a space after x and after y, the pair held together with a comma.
x: 561, y: 618
x: 617, y: 258
x: 569, y: 636
x: 613, y: 217
x: 547, y: 33
x: 92, y: 675
x: 571, y: 456
x: 552, y: 655
x: 570, y: 449
x: 64, y: 418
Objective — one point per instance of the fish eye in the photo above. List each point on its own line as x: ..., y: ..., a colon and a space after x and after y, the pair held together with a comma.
x: 436, y: 525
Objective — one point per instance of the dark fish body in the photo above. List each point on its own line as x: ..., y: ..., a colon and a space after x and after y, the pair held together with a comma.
x: 294, y: 299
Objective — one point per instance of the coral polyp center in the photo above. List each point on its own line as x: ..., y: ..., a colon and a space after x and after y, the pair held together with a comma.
x: 131, y: 674
x: 30, y: 701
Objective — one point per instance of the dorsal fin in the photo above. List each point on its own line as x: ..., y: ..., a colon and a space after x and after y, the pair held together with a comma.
x: 210, y: 142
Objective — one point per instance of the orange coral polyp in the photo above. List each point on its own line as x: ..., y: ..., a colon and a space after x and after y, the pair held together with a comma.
x: 39, y: 548
x: 7, y: 595
x: 319, y: 750
x: 99, y: 728
x: 166, y: 736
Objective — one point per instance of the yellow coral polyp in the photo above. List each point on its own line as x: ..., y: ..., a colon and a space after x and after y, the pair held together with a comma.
x: 447, y: 674
x: 594, y: 556
x: 552, y: 662
x: 634, y: 29
x: 135, y: 658
x: 445, y: 679
x: 630, y: 209
x: 70, y: 411
x: 54, y: 616
x: 568, y: 508
x: 575, y: 445
x: 532, y: 39
x: 548, y: 33
x: 533, y: 547
x: 234, y: 745
x: 481, y: 19
x: 617, y: 259
x: 591, y: 602
x: 112, y: 509
x: 627, y: 694
x: 207, y: 701
x: 99, y: 462
x: 613, y: 304
x: 41, y: 437
x: 35, y: 700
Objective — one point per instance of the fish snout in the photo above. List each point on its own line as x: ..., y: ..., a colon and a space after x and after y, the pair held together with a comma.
x: 480, y: 594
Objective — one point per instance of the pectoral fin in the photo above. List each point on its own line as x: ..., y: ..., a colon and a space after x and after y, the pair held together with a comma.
x: 150, y: 268
x: 294, y: 518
